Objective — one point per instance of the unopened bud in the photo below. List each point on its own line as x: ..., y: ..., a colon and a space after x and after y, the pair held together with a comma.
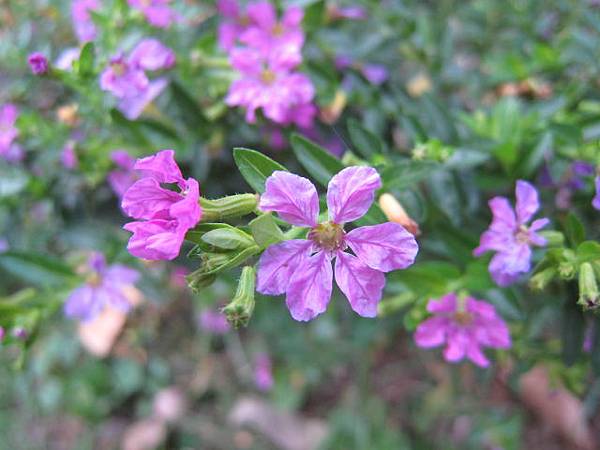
x: 566, y: 270
x: 540, y: 280
x: 394, y: 211
x: 240, y: 309
x: 553, y: 238
x: 331, y: 113
x: 589, y: 296
x: 228, y: 207
x: 200, y: 279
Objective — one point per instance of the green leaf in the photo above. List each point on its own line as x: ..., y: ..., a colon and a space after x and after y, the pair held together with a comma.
x: 227, y: 238
x: 574, y: 230
x: 406, y: 173
x: 588, y: 251
x: 365, y: 142
x: 265, y: 231
x: 318, y: 162
x: 36, y: 269
x: 255, y: 167
x: 85, y: 65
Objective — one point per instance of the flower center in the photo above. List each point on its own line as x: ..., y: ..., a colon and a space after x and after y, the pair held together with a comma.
x: 522, y: 235
x: 463, y: 318
x: 118, y: 68
x: 278, y: 29
x: 328, y: 236
x: 267, y: 76
x: 94, y: 279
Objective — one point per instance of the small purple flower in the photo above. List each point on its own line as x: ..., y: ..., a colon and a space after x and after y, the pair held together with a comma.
x: 375, y: 74
x: 167, y: 215
x: 104, y: 286
x: 123, y: 79
x: 301, y: 268
x: 121, y: 178
x: 4, y: 245
x: 349, y: 12
x: 157, y: 12
x: 464, y: 325
x: 596, y: 201
x: 38, y: 63
x: 20, y: 333
x: 263, y: 372
x: 9, y: 150
x: 510, y: 236
x: 66, y: 59
x: 213, y: 322
x: 234, y: 24
x: 269, y: 35
x: 68, y: 157
x: 571, y: 181
x: 269, y: 83
x: 82, y: 20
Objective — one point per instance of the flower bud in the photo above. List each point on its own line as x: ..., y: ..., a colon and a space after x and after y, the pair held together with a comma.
x: 227, y: 207
x: 553, y: 238
x: 38, y: 63
x: 566, y: 270
x: 394, y: 211
x: 589, y: 296
x: 540, y: 280
x: 240, y: 309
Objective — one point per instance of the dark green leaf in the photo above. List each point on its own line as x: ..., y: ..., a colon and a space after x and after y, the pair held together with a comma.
x: 318, y: 162
x: 265, y: 231
x: 35, y: 269
x: 255, y: 167
x: 85, y: 65
x: 365, y: 142
x: 574, y: 230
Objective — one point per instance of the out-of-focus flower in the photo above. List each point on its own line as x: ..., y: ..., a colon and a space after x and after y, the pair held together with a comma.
x: 465, y: 325
x: 354, y: 12
x: 1, y: 334
x: 157, y: 12
x: 596, y: 201
x: 126, y: 79
x: 82, y: 20
x: 510, y: 236
x: 213, y: 322
x: 234, y: 24
x: 375, y: 73
x: 38, y: 63
x: 169, y: 404
x: 418, y: 85
x: 20, y: 333
x: 4, y: 246
x: 167, y: 215
x: 66, y: 58
x: 9, y: 150
x: 68, y: 115
x: 270, y: 35
x: 302, y: 268
x: 104, y: 286
x: 269, y: 83
x: 177, y: 277
x: 570, y: 182
x: 263, y: 372
x: 68, y: 157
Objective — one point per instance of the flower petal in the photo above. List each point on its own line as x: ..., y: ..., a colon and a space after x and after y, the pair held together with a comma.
x: 457, y: 342
x: 475, y: 354
x: 278, y: 263
x: 82, y: 304
x: 505, y: 267
x: 145, y: 199
x: 383, y: 247
x: 351, y: 192
x: 161, y: 166
x: 596, y: 201
x: 309, y: 291
x: 446, y: 304
x: 293, y: 197
x: 151, y: 54
x: 362, y: 285
x: 527, y: 201
x: 155, y: 239
x: 187, y: 211
x: 431, y: 332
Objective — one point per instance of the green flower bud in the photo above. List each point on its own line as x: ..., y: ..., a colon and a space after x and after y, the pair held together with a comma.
x: 228, y: 207
x: 540, y: 280
x: 554, y: 238
x: 566, y: 270
x: 589, y: 296
x: 240, y: 309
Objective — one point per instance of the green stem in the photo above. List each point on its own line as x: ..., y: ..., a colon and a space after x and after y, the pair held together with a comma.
x: 228, y: 207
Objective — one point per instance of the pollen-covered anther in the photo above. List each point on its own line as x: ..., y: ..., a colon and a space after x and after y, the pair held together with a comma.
x: 328, y: 236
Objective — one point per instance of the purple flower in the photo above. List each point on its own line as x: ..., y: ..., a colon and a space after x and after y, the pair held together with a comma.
x: 66, y: 58
x: 121, y: 178
x: 301, y: 268
x: 38, y: 63
x: 82, y: 20
x: 596, y: 201
x: 571, y: 181
x: 9, y: 150
x: 510, y: 236
x: 269, y: 35
x: 464, y: 325
x: 4, y: 245
x: 167, y: 214
x: 2, y: 333
x: 348, y: 12
x: 233, y: 25
x: 122, y: 78
x: 132, y: 106
x: 263, y: 372
x: 269, y: 83
x: 375, y: 74
x: 68, y: 157
x: 213, y: 322
x: 104, y: 286
x: 157, y: 12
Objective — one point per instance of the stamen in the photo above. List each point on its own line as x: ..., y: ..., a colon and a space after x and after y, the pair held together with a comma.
x: 328, y: 236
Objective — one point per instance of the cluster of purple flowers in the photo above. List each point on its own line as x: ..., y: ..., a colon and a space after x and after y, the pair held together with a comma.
x: 157, y: 12
x: 125, y: 76
x: 266, y: 52
x: 9, y: 149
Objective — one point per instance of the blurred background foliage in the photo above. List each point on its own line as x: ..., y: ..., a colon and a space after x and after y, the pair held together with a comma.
x: 479, y: 94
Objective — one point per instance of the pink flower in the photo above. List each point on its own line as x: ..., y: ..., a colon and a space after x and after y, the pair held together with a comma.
x: 157, y: 12
x: 269, y: 83
x: 68, y: 157
x: 167, y: 215
x: 510, y: 236
x: 301, y: 268
x: 38, y: 63
x: 104, y: 286
x: 263, y: 372
x: 233, y: 25
x: 9, y: 150
x: 82, y: 20
x: 126, y: 79
x: 375, y: 74
x: 596, y: 201
x: 464, y: 325
x: 213, y: 322
x: 267, y: 34
x: 121, y: 178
